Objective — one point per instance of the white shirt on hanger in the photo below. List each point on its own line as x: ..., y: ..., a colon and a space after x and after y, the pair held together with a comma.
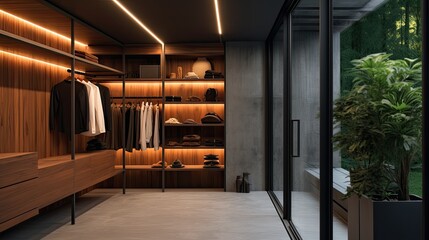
x: 99, y: 113
x: 91, y: 109
x: 143, y: 126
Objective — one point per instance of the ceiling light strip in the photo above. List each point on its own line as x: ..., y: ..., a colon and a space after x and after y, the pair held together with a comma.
x: 137, y: 21
x: 40, y: 27
x: 36, y: 60
x: 218, y: 17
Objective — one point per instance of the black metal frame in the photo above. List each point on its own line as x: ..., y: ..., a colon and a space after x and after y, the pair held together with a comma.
x: 326, y: 119
x: 425, y: 82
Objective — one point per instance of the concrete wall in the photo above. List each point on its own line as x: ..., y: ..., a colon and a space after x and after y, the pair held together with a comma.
x: 245, y: 113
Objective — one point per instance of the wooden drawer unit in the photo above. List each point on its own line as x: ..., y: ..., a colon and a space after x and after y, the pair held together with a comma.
x: 18, y: 201
x: 92, y: 168
x: 56, y: 179
x: 17, y: 167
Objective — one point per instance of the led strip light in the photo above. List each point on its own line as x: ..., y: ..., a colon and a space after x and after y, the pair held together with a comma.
x: 218, y: 17
x: 137, y: 21
x: 40, y: 27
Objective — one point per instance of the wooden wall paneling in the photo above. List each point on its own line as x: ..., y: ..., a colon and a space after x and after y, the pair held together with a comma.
x: 17, y: 167
x: 186, y: 89
x: 51, y: 20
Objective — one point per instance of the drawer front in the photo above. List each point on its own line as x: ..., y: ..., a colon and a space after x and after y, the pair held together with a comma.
x: 17, y: 167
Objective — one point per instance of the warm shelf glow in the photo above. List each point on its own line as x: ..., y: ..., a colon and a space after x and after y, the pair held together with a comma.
x: 40, y: 27
x: 33, y: 59
x: 137, y: 21
x: 218, y: 17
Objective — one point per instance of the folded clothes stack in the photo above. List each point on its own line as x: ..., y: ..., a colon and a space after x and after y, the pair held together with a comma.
x: 95, y: 144
x: 191, y: 140
x: 190, y: 121
x: 213, y: 74
x: 211, y: 161
x: 193, y: 99
x: 86, y: 55
x: 213, y: 142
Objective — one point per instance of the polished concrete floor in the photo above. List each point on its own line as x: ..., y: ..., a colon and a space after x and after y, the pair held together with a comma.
x: 151, y: 214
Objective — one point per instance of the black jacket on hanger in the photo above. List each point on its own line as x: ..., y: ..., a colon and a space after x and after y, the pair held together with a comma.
x: 60, y: 108
x: 105, y: 100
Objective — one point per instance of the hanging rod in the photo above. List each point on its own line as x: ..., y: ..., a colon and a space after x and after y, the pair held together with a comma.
x: 81, y: 73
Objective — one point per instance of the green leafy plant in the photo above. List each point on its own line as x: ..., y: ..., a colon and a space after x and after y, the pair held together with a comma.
x: 380, y: 124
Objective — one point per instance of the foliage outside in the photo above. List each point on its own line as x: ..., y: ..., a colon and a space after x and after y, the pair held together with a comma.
x: 380, y: 120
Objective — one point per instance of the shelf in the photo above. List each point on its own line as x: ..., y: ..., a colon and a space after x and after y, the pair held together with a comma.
x: 189, y: 103
x: 15, y: 44
x: 113, y: 79
x: 189, y: 168
x: 201, y: 80
x: 138, y: 167
x: 194, y: 125
x: 169, y: 169
x: 194, y: 147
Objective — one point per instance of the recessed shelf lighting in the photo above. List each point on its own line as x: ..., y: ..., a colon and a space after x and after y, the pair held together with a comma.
x: 35, y: 60
x: 137, y: 21
x: 40, y: 27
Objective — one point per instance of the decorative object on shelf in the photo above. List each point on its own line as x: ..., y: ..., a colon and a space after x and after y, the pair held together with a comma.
x: 238, y: 183
x: 211, y: 95
x: 212, y: 74
x: 177, y: 164
x: 173, y: 121
x: 193, y: 99
x: 149, y: 71
x: 191, y: 75
x: 179, y: 72
x: 172, y: 75
x: 246, y: 182
x: 211, y: 117
x: 200, y: 66
x: 211, y: 161
x: 159, y: 164
x: 173, y: 143
x: 190, y: 121
x: 173, y: 98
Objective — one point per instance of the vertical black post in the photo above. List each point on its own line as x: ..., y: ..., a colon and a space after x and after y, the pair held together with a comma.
x: 268, y: 119
x: 326, y: 98
x: 124, y: 171
x: 287, y: 111
x: 425, y: 81
x: 73, y: 112
x: 163, y: 76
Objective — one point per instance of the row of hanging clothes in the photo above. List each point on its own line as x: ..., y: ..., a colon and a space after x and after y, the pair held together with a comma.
x: 142, y: 126
x: 92, y: 110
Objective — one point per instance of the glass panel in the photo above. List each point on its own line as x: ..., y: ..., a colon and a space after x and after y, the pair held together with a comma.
x: 391, y: 30
x: 277, y: 118
x: 305, y: 106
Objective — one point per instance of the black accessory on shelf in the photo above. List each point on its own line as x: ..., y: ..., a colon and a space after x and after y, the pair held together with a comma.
x: 177, y: 164
x: 173, y: 143
x: 95, y: 144
x: 211, y: 157
x: 211, y: 95
x: 173, y: 98
x: 211, y: 117
x: 212, y: 74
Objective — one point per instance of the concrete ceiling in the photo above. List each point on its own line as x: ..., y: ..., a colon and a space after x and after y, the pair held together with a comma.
x: 173, y: 21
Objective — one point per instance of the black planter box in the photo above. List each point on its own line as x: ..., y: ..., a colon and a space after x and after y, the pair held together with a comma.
x: 381, y: 220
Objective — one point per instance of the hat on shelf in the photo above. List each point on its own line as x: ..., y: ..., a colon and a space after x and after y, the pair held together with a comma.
x: 173, y: 121
x: 177, y: 164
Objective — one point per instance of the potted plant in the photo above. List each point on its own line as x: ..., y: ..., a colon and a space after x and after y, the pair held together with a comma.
x: 380, y: 131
